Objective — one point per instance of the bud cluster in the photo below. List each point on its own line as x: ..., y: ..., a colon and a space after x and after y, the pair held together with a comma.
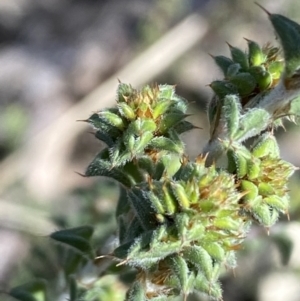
x: 148, y: 121
x: 248, y: 73
x: 263, y: 81
x: 259, y: 89
x: 180, y: 221
x: 198, y: 228
x: 263, y: 177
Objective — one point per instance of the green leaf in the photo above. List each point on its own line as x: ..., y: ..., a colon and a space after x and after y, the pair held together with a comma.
x: 180, y: 105
x: 146, y: 125
x: 72, y: 262
x: 166, y: 91
x: 166, y: 144
x: 182, y: 225
x: 261, y: 76
x: 256, y: 55
x: 134, y: 247
x: 276, y: 68
x: 168, y: 200
x: 265, y: 215
x: 180, y: 269
x: 119, y: 154
x: 146, y: 250
x: 199, y: 257
x: 136, y: 292
x: 239, y: 56
x: 85, y: 232
x: 105, y: 137
x: 78, y: 238
x: 233, y: 70
x: 123, y: 205
x: 169, y: 121
x: 73, y: 288
x: 295, y: 107
x: 134, y: 229
x: 226, y: 223
x: 161, y: 107
x: 99, y: 123
x: 231, y: 114
x: 279, y: 203
x: 156, y: 203
x: 223, y: 88
x: 102, y: 167
x: 31, y: 291
x: 112, y: 118
x: 238, y: 157
x: 265, y: 189
x: 141, y: 143
x: 250, y: 188
x: 181, y: 195
x: 135, y: 174
x: 22, y: 295
x: 143, y: 208
x: 223, y: 62
x: 253, y: 168
x: 124, y: 91
x: 183, y: 126
x: 159, y: 170
x: 213, y: 112
x: 215, y: 251
x: 196, y: 232
x: 213, y: 289
x: 265, y: 145
x: 157, y: 252
x: 145, y: 163
x: 244, y: 82
x: 289, y: 34
x: 122, y: 222
x: 129, y: 142
x: 126, y: 111
x: 123, y: 250
x: 252, y: 123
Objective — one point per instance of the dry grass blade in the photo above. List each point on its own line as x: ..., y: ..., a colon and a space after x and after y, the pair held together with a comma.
x: 43, y: 159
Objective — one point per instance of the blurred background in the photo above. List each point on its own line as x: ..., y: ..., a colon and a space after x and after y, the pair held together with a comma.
x: 60, y: 60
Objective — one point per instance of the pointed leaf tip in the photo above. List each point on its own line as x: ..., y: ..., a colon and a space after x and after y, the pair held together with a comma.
x: 229, y: 45
x: 82, y: 120
x: 80, y: 174
x: 267, y: 12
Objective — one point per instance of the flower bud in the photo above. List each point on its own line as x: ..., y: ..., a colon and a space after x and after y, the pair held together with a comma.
x: 256, y: 55
x: 239, y: 56
x: 244, y: 82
